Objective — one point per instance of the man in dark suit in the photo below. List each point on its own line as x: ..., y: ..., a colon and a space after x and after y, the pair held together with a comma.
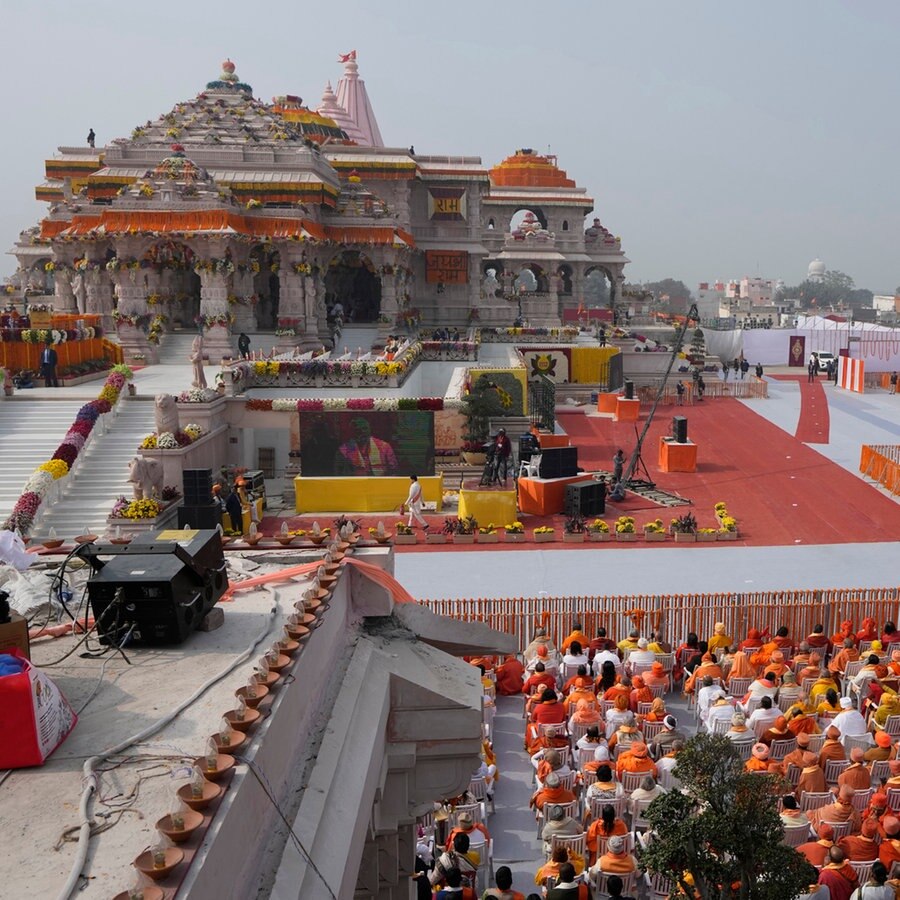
x: 48, y: 366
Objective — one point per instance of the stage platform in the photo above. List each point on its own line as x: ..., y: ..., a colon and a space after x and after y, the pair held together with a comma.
x: 382, y: 494
x: 545, y: 496
x: 488, y: 505
x: 675, y: 457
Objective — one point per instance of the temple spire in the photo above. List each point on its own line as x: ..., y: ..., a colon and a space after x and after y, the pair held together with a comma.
x: 352, y: 96
x: 333, y: 110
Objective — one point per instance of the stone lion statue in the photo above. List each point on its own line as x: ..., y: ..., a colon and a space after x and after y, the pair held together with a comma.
x: 166, y: 414
x: 147, y: 476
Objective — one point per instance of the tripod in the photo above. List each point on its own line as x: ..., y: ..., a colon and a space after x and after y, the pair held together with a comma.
x: 491, y: 472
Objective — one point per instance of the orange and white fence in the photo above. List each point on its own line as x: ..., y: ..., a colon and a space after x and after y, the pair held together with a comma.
x: 881, y: 463
x: 675, y: 615
x: 852, y: 374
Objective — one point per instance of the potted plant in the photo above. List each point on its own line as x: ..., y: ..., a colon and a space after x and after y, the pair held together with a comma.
x: 488, y: 534
x: 403, y: 534
x: 462, y: 530
x: 655, y: 531
x: 598, y: 531
x: 706, y: 535
x: 721, y: 510
x: 573, y: 530
x: 728, y: 530
x: 544, y: 534
x: 477, y: 409
x: 515, y: 533
x: 625, y: 529
x: 684, y: 528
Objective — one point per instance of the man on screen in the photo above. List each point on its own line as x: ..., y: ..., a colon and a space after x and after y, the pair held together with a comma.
x: 364, y: 454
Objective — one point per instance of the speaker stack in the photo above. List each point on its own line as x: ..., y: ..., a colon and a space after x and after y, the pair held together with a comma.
x: 157, y: 589
x: 679, y: 429
x: 588, y: 498
x: 199, y: 510
x: 559, y: 462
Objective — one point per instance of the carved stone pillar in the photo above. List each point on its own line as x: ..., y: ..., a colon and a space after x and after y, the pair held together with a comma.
x: 291, y: 305
x: 313, y: 297
x: 100, y: 300
x: 131, y: 321
x: 64, y: 296
x: 214, y: 306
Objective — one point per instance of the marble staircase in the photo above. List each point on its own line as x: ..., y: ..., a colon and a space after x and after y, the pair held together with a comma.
x: 101, y: 475
x: 30, y: 432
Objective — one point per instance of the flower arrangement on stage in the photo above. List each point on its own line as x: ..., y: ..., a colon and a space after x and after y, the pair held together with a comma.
x: 515, y: 528
x: 720, y: 508
x: 468, y: 525
x: 379, y: 404
x: 685, y: 524
x: 575, y: 525
x: 148, y: 443
x: 625, y: 525
x: 490, y: 528
x: 729, y: 523
x: 215, y: 320
x: 655, y: 527
x: 544, y: 529
x: 136, y: 509
x: 598, y: 526
x: 403, y: 528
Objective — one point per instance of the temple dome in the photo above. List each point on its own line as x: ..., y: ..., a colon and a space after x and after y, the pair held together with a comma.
x: 816, y: 270
x: 525, y: 168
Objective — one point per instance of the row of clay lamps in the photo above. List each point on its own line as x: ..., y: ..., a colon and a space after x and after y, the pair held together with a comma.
x: 204, y: 787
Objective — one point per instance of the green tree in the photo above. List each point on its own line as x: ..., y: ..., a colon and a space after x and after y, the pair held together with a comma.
x: 724, y: 830
x: 838, y: 281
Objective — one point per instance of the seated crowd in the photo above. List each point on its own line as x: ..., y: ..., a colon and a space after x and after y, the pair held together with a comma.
x: 823, y: 714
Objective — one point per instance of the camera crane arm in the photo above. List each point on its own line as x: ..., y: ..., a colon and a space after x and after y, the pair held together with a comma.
x: 692, y: 316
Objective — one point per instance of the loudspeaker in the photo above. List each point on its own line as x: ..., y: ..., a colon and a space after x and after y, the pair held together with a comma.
x: 679, y: 429
x: 559, y: 462
x: 208, y: 515
x: 197, y: 484
x: 629, y: 390
x: 587, y: 498
x: 158, y: 588
x: 527, y: 447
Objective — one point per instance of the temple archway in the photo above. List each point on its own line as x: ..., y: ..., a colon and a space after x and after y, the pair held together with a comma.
x: 265, y: 263
x: 531, y: 279
x: 40, y: 280
x: 351, y: 280
x: 597, y: 284
x: 175, y: 287
x: 565, y: 280
x: 519, y: 216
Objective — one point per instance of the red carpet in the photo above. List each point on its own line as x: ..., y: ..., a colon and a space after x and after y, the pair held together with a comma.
x: 779, y: 490
x: 813, y: 424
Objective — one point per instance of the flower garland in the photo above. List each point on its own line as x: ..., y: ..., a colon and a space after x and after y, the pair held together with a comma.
x: 339, y: 404
x: 58, y: 466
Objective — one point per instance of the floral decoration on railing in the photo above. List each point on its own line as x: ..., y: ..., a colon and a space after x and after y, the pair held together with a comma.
x: 459, y: 350
x: 302, y: 268
x: 35, y: 489
x: 172, y: 440
x: 234, y: 300
x: 501, y: 335
x: 54, y: 335
x: 157, y: 326
x: 340, y: 404
x: 215, y: 320
x: 198, y: 395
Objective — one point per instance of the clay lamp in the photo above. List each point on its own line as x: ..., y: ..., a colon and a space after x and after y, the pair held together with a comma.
x: 330, y: 564
x: 349, y: 534
x: 199, y: 793
x: 86, y: 537
x: 252, y: 693
x: 264, y: 675
x: 287, y: 645
x: 304, y: 619
x: 53, y: 541
x: 159, y: 860
x: 213, y: 763
x: 226, y: 741
x: 381, y: 536
x: 242, y: 718
x: 317, y: 536
x: 253, y: 537
x: 313, y: 599
x: 180, y: 823
x: 140, y: 891
x: 285, y: 538
x: 323, y: 578
x: 277, y: 660
x: 119, y: 537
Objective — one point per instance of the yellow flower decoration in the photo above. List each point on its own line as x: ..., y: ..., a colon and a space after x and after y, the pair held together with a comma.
x: 58, y: 468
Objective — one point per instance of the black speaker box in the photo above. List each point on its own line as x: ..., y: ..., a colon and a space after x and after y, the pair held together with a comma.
x: 629, y: 390
x: 207, y: 515
x: 559, y: 462
x: 158, y: 588
x: 679, y: 429
x: 587, y: 498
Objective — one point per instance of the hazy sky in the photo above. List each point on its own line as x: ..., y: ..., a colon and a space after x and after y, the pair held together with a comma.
x: 717, y: 139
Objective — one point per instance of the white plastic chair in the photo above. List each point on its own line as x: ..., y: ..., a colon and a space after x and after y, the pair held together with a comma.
x: 531, y: 468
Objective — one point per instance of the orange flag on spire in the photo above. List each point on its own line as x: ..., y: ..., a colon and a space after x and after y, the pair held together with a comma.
x: 347, y: 57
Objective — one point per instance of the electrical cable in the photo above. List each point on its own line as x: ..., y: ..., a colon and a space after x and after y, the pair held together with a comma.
x: 90, y: 780
x: 296, y: 840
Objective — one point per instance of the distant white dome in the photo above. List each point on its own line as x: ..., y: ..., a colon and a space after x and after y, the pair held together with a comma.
x: 816, y: 270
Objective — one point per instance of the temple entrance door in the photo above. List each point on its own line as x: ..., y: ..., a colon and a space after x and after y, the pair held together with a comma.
x: 352, y: 282
x: 266, y: 285
x: 177, y: 285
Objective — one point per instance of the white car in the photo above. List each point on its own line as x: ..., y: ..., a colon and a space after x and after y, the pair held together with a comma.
x: 825, y: 359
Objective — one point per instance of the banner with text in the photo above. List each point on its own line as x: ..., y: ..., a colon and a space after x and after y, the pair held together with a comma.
x: 446, y: 267
x: 447, y: 204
